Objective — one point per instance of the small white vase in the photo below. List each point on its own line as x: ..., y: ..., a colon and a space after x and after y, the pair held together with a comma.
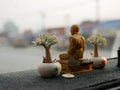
x: 49, y: 69
x: 99, y: 62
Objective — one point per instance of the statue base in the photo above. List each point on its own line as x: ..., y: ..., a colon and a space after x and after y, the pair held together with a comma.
x: 79, y: 66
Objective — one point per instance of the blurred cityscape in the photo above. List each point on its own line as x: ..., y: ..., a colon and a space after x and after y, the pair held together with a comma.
x: 10, y: 35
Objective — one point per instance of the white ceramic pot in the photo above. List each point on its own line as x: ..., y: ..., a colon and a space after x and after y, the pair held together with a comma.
x: 99, y: 62
x: 49, y: 69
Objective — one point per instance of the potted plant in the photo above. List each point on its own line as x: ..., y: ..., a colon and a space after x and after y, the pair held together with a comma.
x: 48, y: 68
x: 97, y: 40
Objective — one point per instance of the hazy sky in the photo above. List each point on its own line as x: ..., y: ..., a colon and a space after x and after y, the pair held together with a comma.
x: 28, y: 13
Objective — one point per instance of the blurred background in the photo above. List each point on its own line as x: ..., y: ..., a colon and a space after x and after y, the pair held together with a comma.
x: 21, y: 21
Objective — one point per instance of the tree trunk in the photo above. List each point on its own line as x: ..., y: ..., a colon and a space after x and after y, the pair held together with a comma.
x: 96, y: 50
x: 47, y: 58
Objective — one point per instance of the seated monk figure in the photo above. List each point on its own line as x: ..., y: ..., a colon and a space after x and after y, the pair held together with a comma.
x: 76, y: 45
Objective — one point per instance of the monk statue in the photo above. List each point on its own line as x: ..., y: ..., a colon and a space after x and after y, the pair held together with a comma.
x: 76, y: 45
x: 73, y: 61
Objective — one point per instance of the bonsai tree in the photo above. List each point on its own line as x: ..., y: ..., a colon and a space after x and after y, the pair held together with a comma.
x: 46, y: 40
x: 97, y: 40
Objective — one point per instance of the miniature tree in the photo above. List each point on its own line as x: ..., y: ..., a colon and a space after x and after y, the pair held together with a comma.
x: 46, y: 40
x: 96, y: 40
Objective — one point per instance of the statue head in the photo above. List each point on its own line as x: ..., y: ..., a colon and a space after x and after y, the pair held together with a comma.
x: 75, y: 29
